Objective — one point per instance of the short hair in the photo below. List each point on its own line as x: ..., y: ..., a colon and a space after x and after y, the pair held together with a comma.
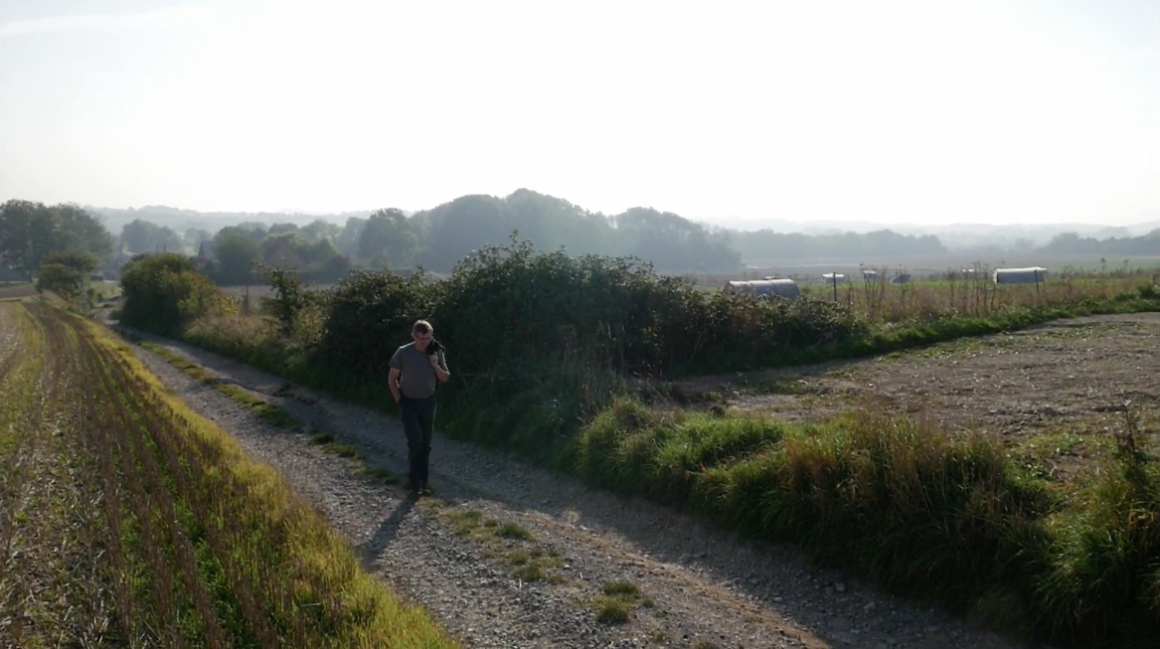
x: 422, y: 327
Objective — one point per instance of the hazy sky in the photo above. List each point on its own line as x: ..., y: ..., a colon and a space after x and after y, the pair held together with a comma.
x: 925, y: 111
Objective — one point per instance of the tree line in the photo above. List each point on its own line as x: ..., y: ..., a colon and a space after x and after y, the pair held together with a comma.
x: 1070, y: 243
x: 436, y: 239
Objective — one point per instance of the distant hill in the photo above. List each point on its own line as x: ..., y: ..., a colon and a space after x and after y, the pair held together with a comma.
x: 447, y: 232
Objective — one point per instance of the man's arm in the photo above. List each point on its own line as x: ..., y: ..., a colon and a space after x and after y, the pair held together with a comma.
x: 393, y: 383
x: 439, y: 364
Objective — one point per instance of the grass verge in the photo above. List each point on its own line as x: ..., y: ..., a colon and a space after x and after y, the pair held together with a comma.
x: 913, y: 509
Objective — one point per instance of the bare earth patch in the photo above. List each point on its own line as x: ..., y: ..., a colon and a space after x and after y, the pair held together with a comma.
x: 1056, y: 392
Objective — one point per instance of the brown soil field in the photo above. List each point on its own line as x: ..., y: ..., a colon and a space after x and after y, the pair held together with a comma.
x: 1055, y: 394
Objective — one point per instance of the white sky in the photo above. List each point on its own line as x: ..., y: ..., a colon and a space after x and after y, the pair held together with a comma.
x: 927, y: 111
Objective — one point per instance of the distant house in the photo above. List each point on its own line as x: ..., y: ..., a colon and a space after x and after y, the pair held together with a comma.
x: 833, y: 279
x: 901, y: 279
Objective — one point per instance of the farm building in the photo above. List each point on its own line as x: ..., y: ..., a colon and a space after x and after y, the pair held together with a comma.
x: 834, y: 278
x: 869, y: 275
x: 764, y: 287
x: 904, y: 278
x: 1032, y: 275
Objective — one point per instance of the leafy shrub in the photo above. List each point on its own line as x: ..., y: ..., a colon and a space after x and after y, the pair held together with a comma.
x: 290, y: 296
x: 66, y: 273
x: 163, y: 293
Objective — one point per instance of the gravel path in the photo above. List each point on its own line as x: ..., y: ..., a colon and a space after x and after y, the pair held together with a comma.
x: 699, y: 586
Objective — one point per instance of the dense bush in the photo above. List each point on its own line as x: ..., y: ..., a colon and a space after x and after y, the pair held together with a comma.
x: 367, y: 316
x: 164, y: 292
x: 510, y: 305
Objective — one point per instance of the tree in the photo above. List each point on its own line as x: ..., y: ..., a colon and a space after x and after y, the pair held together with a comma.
x: 236, y: 252
x: 318, y: 230
x: 29, y: 232
x: 674, y: 243
x: 287, y: 251
x: 465, y: 224
x: 256, y: 229
x: 83, y: 231
x: 66, y: 273
x: 347, y: 240
x: 144, y: 236
x: 281, y: 228
x: 16, y: 218
x: 387, y: 239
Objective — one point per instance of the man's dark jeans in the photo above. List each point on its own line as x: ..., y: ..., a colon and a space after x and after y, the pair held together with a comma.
x: 418, y: 417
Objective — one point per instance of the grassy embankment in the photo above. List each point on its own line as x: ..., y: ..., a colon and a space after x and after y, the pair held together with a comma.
x: 540, y: 346
x: 129, y: 520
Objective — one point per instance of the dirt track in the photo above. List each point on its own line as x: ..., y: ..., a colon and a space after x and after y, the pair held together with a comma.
x: 1056, y: 392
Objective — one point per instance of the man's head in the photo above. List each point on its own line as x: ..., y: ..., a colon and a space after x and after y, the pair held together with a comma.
x: 421, y: 333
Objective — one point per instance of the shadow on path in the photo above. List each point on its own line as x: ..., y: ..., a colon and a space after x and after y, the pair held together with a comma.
x: 386, y: 533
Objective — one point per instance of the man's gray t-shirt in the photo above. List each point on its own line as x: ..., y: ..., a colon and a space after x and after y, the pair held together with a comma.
x: 416, y: 376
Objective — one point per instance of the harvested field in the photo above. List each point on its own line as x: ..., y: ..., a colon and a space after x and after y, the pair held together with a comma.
x: 1056, y: 392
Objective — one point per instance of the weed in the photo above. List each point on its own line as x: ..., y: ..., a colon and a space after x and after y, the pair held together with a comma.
x: 622, y: 589
x: 383, y: 476
x: 514, y: 531
x: 611, y: 611
x: 518, y: 558
x: 529, y: 572
x: 322, y: 439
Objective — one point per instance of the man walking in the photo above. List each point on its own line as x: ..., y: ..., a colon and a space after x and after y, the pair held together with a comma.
x: 416, y: 368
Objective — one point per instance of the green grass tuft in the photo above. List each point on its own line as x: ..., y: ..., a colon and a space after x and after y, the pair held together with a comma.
x: 622, y: 589
x: 612, y: 611
x: 514, y: 531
